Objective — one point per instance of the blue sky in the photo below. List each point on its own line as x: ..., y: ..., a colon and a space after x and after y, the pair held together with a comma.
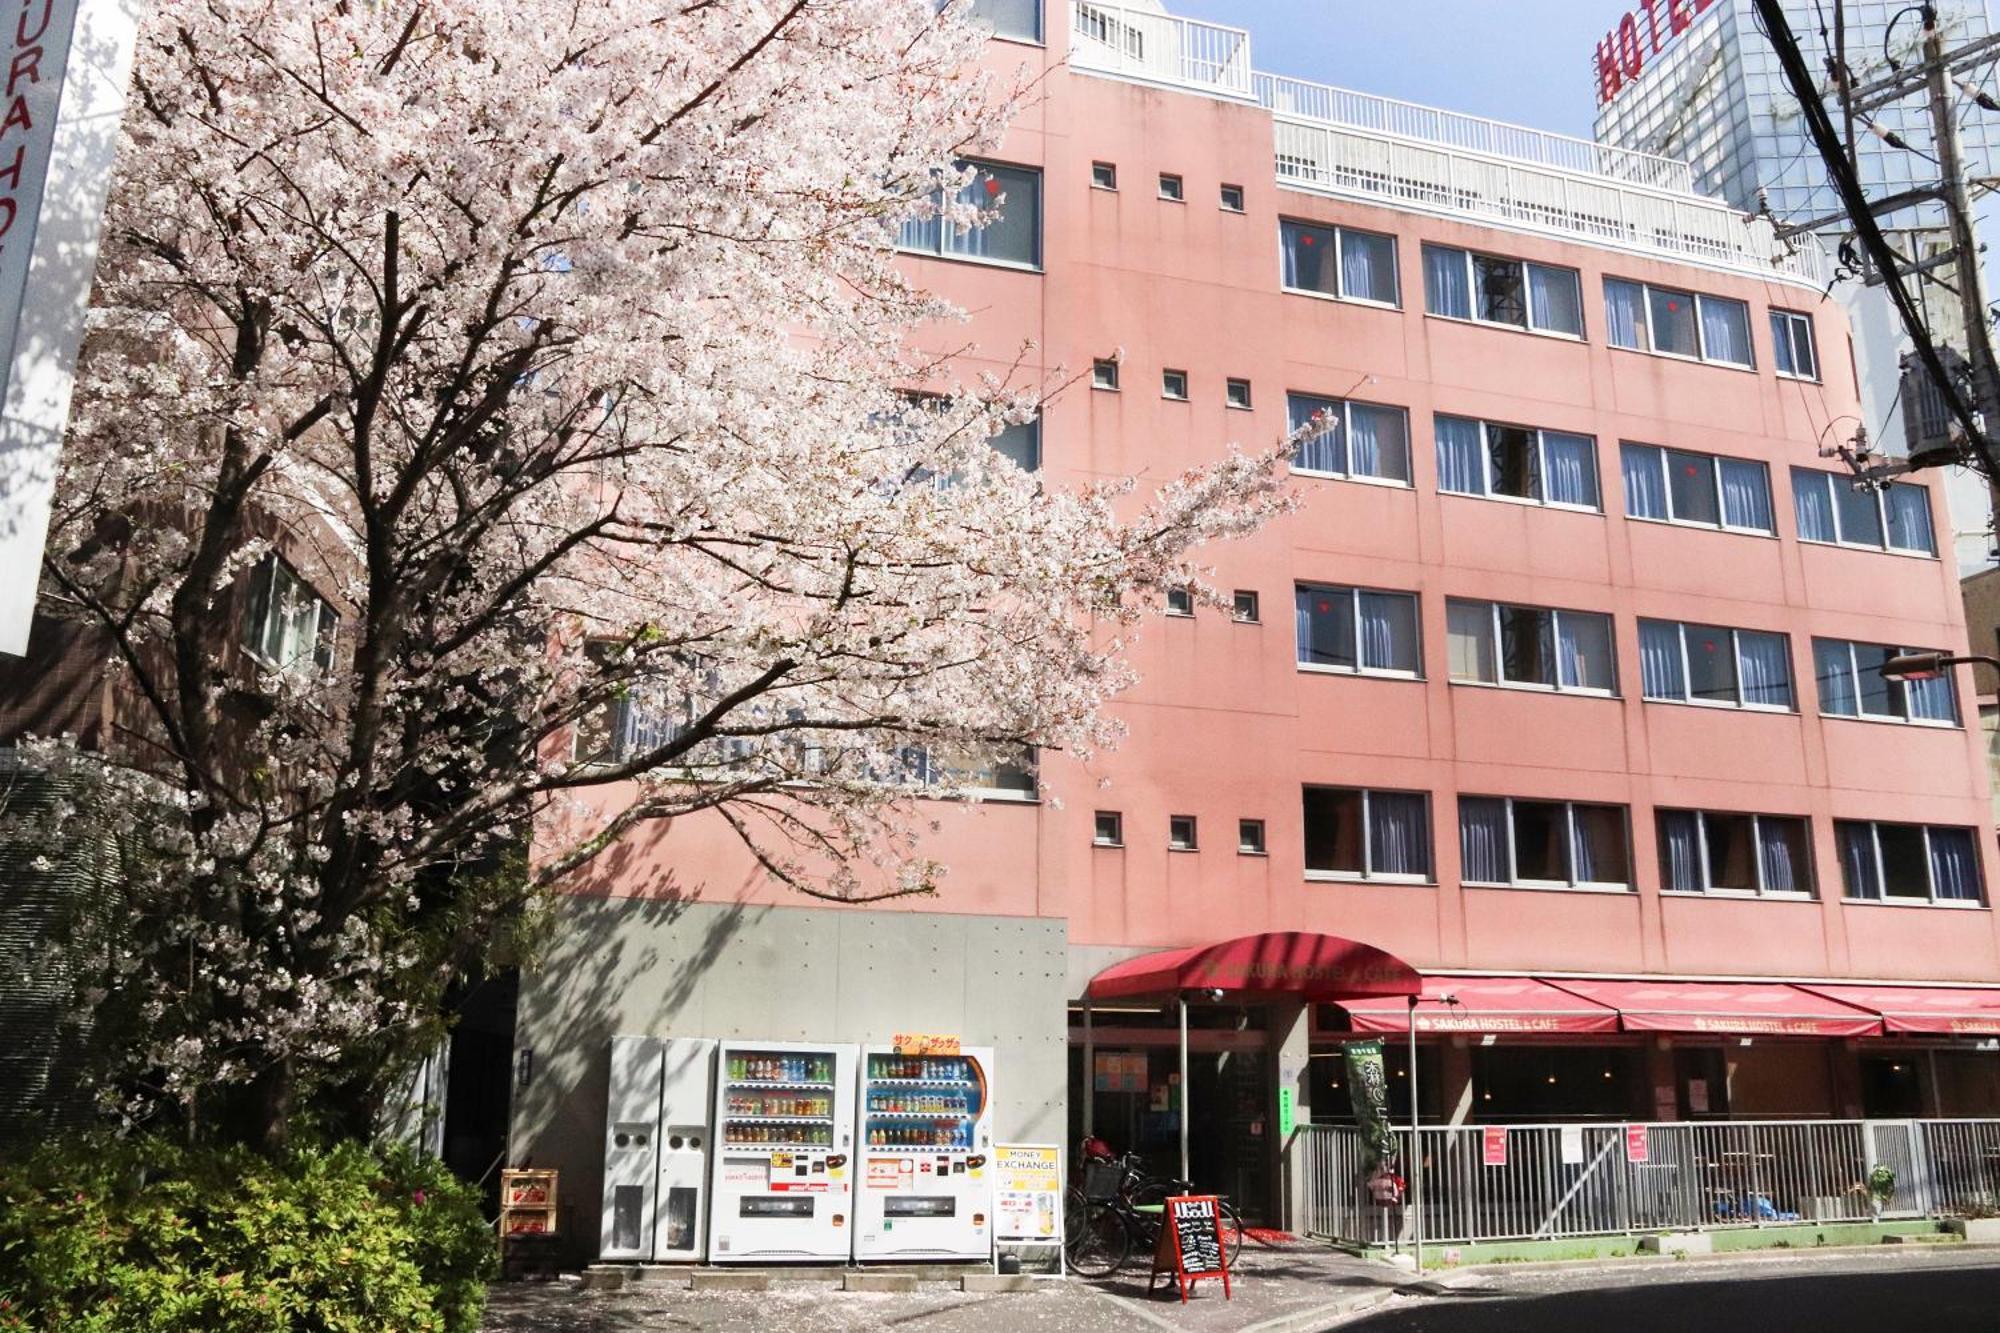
x: 1520, y: 60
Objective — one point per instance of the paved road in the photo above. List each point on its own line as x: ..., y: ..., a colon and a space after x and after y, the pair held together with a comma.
x: 1867, y: 1293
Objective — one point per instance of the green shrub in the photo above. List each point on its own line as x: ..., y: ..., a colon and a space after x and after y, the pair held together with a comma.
x: 144, y: 1236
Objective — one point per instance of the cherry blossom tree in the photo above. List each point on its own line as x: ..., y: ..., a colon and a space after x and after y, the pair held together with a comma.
x: 563, y: 350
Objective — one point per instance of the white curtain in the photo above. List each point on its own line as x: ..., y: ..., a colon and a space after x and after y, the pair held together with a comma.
x: 1326, y: 449
x: 1834, y: 669
x: 1482, y: 840
x: 1367, y: 266
x: 1645, y: 484
x: 1764, y: 667
x: 1662, y: 674
x: 1572, y: 468
x: 1625, y: 313
x: 1458, y: 448
x: 1910, y: 518
x: 1931, y: 699
x: 1555, y: 299
x: 1857, y: 859
x: 1447, y: 289
x: 1583, y: 650
x: 1746, y: 495
x: 1814, y: 505
x: 1775, y: 851
x: 1725, y: 331
x: 1954, y: 865
x: 1680, y: 851
x: 1381, y: 442
x: 1398, y: 834
x: 1388, y: 631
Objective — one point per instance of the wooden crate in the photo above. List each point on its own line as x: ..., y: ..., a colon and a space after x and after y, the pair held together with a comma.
x: 526, y: 1188
x: 536, y: 1220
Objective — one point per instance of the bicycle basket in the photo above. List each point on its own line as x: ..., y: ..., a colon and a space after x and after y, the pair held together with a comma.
x: 1101, y: 1181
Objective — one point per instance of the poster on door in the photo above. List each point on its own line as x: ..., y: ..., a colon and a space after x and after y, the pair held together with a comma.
x: 1120, y: 1071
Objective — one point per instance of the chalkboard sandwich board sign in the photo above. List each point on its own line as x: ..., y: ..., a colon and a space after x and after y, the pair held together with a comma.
x: 1190, y: 1246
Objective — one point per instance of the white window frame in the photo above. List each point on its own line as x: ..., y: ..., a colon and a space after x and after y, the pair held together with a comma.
x: 1041, y: 26
x: 1874, y: 827
x: 1347, y: 406
x: 284, y: 586
x: 1340, y: 263
x: 1793, y: 321
x: 934, y: 774
x: 1569, y: 827
x: 1256, y: 845
x: 1500, y: 679
x: 1104, y: 374
x: 1701, y: 356
x: 1180, y: 602
x: 1715, y: 461
x: 1104, y: 176
x: 1527, y: 303
x: 944, y: 252
x: 1245, y: 607
x: 1827, y: 480
x: 1353, y: 593
x: 1368, y: 874
x: 1117, y: 839
x: 1167, y: 389
x: 1541, y: 463
x: 1229, y: 387
x: 1173, y: 188
x: 1222, y: 197
x: 1708, y: 889
x: 1193, y: 843
x: 1860, y: 714
x: 1736, y: 655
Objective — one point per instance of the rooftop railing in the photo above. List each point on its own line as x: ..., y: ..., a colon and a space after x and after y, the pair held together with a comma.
x: 1160, y: 48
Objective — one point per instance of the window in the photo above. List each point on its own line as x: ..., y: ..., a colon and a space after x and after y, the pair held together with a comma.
x: 1232, y: 198
x: 1337, y: 261
x: 1353, y: 833
x: 1713, y: 664
x: 1516, y: 462
x: 1350, y: 439
x: 1792, y: 336
x: 1704, y: 851
x: 1677, y: 323
x: 1012, y: 235
x: 1021, y: 444
x: 1104, y: 175
x: 1547, y: 843
x: 1462, y: 285
x: 1250, y: 837
x: 1355, y: 629
x: 1180, y: 833
x: 1108, y: 830
x: 1180, y: 602
x: 1851, y: 685
x: 287, y: 626
x: 1009, y: 771
x: 1174, y: 384
x: 1020, y: 19
x: 1498, y: 644
x: 1908, y: 862
x: 1676, y: 486
x: 1834, y: 507
x: 1243, y: 606
x: 1236, y: 392
x: 1103, y: 374
x: 1171, y: 188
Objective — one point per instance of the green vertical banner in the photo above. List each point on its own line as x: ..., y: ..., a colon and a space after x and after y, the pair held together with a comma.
x: 1368, y: 1090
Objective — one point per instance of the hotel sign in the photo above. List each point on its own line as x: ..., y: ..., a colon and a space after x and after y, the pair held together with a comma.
x: 1638, y: 37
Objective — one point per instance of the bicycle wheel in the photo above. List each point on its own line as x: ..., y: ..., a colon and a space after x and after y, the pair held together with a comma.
x: 1231, y: 1224
x: 1100, y: 1244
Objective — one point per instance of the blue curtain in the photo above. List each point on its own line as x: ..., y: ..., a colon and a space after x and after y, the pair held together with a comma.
x: 1815, y: 506
x: 1381, y: 441
x: 1572, y: 468
x: 964, y: 240
x: 1459, y: 467
x: 1774, y: 850
x: 1302, y: 621
x: 1366, y: 442
x: 1388, y: 631
x: 1398, y: 834
x: 1482, y: 840
x: 1367, y: 266
x: 1583, y: 650
x: 924, y: 234
x: 1625, y: 313
x: 1725, y: 331
x: 1680, y: 851
x: 1308, y: 257
x: 1954, y: 865
x: 1746, y: 495
x: 1931, y: 699
x: 1583, y: 856
x: 1325, y: 451
x: 1447, y: 289
x: 1765, y: 668
x: 1910, y: 519
x: 1857, y: 859
x: 1834, y: 669
x: 1555, y: 300
x: 1662, y: 674
x: 1645, y: 484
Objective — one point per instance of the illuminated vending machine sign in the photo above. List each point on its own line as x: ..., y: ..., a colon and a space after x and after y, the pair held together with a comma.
x: 926, y: 1187
x: 783, y: 1152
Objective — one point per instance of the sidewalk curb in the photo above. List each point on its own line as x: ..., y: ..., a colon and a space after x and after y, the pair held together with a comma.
x: 1449, y: 1278
x: 1311, y: 1321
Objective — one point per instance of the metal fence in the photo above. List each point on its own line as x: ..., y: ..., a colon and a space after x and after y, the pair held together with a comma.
x: 1160, y: 48
x: 1537, y: 1182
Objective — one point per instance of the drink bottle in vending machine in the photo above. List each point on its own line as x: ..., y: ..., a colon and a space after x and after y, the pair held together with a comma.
x: 925, y: 1187
x: 783, y: 1185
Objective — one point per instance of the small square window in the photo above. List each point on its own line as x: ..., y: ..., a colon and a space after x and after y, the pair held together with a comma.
x: 1232, y: 198
x: 1173, y: 384
x: 1180, y: 833
x: 1103, y: 374
x: 1243, y: 606
x: 1104, y: 175
x: 1237, y: 392
x: 1250, y: 837
x: 1170, y: 187
x: 1180, y: 602
x: 1109, y: 830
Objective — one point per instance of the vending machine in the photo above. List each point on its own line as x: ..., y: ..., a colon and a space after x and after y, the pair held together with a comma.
x: 925, y: 1184
x: 784, y: 1152
x: 687, y: 1091
x: 656, y: 1147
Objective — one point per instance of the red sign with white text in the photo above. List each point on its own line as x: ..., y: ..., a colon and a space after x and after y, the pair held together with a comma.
x: 1495, y: 1145
x: 1636, y: 1147
x: 1639, y: 36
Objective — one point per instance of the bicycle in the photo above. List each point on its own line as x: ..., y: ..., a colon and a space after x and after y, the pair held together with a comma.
x: 1120, y: 1206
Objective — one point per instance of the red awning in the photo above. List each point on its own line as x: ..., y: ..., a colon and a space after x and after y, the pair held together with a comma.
x: 1748, y: 1008
x: 1485, y: 1004
x: 1287, y: 962
x: 1939, y: 1010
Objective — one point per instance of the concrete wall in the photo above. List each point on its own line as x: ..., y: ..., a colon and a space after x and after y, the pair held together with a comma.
x: 667, y: 967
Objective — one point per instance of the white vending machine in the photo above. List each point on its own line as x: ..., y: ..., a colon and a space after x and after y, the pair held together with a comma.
x: 784, y: 1152
x: 925, y: 1184
x: 656, y: 1147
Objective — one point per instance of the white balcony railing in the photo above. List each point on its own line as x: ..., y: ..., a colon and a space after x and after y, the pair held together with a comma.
x: 1144, y: 44
x: 1495, y: 138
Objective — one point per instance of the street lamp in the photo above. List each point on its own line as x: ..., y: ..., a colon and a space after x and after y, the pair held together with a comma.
x: 1927, y: 666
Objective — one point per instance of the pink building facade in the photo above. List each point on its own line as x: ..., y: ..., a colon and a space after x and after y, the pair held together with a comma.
x: 1562, y: 671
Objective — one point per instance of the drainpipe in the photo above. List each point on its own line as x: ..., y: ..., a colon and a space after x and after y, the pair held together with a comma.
x: 1184, y: 1091
x: 1089, y: 1072
x: 1416, y: 1149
